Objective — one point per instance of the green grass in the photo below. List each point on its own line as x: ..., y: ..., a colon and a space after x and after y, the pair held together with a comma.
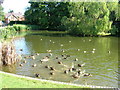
x: 10, y: 81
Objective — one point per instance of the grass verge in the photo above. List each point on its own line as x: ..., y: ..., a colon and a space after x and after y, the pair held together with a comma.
x: 11, y: 81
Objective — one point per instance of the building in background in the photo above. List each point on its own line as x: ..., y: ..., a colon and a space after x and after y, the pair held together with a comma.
x: 1, y: 1
x: 13, y: 17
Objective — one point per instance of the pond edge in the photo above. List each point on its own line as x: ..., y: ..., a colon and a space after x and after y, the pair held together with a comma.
x: 57, y: 82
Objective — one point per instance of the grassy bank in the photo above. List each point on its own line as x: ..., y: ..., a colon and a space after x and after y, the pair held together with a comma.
x: 10, y: 81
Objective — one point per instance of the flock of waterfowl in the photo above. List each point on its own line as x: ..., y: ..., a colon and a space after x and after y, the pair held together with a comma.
x: 76, y: 72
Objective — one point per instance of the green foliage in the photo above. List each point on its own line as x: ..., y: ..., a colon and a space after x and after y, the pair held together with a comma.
x: 93, y: 18
x: 1, y: 13
x: 47, y: 15
x: 79, y: 18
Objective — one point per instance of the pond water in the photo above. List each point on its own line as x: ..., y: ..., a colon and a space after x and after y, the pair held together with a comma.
x: 100, y: 55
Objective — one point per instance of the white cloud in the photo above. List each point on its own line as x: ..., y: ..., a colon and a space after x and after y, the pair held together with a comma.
x: 15, y: 5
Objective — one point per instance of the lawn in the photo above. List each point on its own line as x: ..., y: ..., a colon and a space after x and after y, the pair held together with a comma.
x: 11, y: 81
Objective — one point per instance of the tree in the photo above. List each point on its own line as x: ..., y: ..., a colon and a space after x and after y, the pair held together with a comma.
x: 47, y: 15
x: 88, y: 18
x: 1, y: 13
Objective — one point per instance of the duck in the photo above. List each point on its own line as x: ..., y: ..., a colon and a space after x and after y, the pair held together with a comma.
x: 21, y: 65
x: 80, y: 65
x: 69, y: 41
x: 37, y: 75
x: 76, y: 59
x: 87, y: 74
x: 59, y: 62
x: 56, y: 57
x: 37, y: 54
x: 62, y: 55
x: 70, y: 69
x: 66, y: 71
x: 75, y: 75
x: 33, y: 57
x: 50, y: 54
x: 108, y: 51
x: 63, y: 50
x: 93, y: 51
x: 78, y: 49
x: 67, y: 55
x: 46, y: 66
x: 52, y: 73
x: 21, y: 49
x: 51, y: 68
x: 34, y: 65
x: 24, y: 61
x: 61, y: 45
x: 73, y: 69
x: 45, y: 59
x: 49, y: 51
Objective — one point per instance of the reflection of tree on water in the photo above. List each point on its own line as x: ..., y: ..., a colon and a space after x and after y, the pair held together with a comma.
x: 100, y: 64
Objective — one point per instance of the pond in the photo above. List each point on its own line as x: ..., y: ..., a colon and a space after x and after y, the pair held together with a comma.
x: 99, y: 54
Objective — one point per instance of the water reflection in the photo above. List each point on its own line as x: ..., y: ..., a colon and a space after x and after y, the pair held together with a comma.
x: 102, y: 64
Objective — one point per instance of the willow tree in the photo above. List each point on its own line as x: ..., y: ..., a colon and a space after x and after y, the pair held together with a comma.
x: 88, y: 18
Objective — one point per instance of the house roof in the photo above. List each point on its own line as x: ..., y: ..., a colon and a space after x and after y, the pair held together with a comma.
x: 13, y: 14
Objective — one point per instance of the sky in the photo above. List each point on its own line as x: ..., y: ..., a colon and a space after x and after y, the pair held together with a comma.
x: 15, y: 5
